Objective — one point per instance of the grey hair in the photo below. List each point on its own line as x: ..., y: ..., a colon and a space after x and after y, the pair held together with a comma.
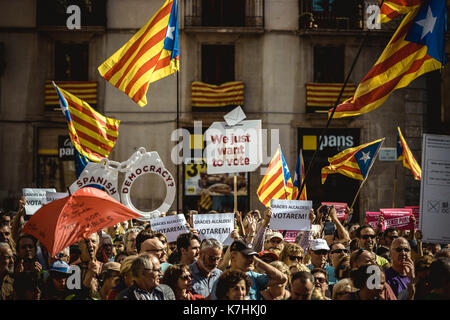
x: 132, y: 230
x: 142, y: 261
x: 210, y: 243
x: 4, y: 245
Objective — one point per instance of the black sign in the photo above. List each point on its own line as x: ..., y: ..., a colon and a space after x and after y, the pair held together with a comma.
x: 66, y: 150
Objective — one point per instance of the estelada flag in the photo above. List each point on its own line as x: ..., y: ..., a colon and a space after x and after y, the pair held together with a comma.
x: 151, y: 54
x: 276, y: 183
x: 92, y: 134
x: 391, y: 9
x: 354, y: 162
x: 299, y: 177
x: 417, y: 47
x: 405, y: 154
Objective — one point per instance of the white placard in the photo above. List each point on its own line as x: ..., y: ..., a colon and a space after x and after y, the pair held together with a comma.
x: 218, y: 226
x: 435, y: 189
x: 233, y: 149
x: 387, y: 154
x: 235, y: 116
x: 171, y: 226
x: 52, y: 196
x: 290, y: 214
x: 35, y: 198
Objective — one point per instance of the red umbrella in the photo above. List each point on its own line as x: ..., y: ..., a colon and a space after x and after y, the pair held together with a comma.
x: 63, y: 222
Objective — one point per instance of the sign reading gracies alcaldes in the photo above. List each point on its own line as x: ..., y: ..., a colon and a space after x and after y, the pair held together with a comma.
x: 66, y: 150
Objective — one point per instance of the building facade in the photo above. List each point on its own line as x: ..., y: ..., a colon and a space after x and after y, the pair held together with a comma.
x: 275, y: 47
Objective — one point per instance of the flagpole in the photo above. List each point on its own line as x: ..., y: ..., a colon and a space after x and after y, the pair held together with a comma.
x: 235, y: 191
x: 324, y: 130
x: 395, y: 185
x: 178, y: 126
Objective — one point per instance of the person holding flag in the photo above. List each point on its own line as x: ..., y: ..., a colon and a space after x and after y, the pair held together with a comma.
x: 276, y: 183
x: 404, y: 153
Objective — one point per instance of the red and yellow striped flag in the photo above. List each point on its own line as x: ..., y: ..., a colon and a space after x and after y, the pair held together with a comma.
x: 391, y: 9
x: 405, y: 154
x: 322, y: 96
x: 276, y: 183
x: 91, y: 133
x: 416, y: 48
x: 151, y: 54
x: 85, y: 90
x: 209, y: 97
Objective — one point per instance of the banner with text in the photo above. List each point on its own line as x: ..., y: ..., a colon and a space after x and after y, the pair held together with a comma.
x: 233, y: 149
x: 52, y: 196
x: 35, y: 198
x: 290, y: 214
x: 372, y: 219
x: 416, y: 213
x: 171, y: 226
x: 341, y: 209
x: 217, y: 225
x: 397, y: 218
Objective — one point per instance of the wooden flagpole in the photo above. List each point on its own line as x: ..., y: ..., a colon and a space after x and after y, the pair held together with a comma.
x: 395, y: 186
x: 235, y: 191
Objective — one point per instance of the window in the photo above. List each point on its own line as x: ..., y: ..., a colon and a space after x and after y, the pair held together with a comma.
x: 71, y: 62
x: 329, y: 64
x: 223, y: 13
x: 217, y: 64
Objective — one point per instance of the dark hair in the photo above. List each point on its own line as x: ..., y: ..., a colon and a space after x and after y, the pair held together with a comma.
x: 440, y: 273
x: 228, y: 280
x: 303, y: 276
x: 361, y: 275
x: 144, y: 235
x: 119, y: 237
x: 184, y: 240
x: 25, y: 236
x: 172, y: 274
x: 323, y: 271
x: 354, y: 245
x: 335, y: 243
x: 24, y: 281
x: 360, y: 229
x: 339, y: 267
x: 389, y: 230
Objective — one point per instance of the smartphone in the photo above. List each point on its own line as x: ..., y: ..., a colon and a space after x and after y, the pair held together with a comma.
x: 329, y: 228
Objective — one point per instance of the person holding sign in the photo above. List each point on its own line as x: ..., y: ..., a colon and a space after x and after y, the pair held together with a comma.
x: 244, y: 258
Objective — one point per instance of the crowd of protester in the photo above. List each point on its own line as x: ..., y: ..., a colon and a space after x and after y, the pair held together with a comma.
x: 130, y: 261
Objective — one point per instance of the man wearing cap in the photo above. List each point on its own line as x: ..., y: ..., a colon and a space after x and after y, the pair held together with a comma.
x: 54, y: 287
x: 319, y: 258
x: 244, y: 259
x: 274, y: 242
x: 110, y: 276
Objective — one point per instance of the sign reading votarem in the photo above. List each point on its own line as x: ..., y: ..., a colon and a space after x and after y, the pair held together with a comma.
x: 232, y: 149
x: 435, y: 189
x: 34, y: 199
x: 171, y: 226
x: 290, y: 214
x: 217, y: 226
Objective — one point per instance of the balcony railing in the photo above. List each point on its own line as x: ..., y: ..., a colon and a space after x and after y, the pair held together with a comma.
x: 224, y: 13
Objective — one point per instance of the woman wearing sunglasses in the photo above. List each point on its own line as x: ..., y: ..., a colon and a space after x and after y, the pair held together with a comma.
x: 292, y: 254
x: 178, y: 277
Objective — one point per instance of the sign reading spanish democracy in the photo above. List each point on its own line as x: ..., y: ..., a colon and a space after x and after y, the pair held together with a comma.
x: 233, y: 149
x: 171, y: 226
x: 290, y: 214
x: 217, y: 225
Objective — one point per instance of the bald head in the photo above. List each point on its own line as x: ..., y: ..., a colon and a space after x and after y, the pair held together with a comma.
x: 400, y: 252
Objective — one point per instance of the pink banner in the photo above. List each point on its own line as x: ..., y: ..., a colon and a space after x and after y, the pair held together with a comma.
x: 398, y: 218
x: 341, y: 209
x: 372, y: 219
x: 290, y: 235
x: 416, y: 212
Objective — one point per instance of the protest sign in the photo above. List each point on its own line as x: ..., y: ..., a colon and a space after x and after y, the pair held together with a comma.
x: 341, y: 209
x: 290, y: 214
x: 35, y: 198
x: 416, y: 213
x: 397, y: 218
x: 233, y: 149
x: 171, y: 226
x: 217, y: 226
x: 290, y: 235
x: 52, y: 196
x: 372, y: 219
x: 435, y: 189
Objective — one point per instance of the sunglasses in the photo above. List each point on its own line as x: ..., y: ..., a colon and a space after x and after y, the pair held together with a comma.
x: 367, y: 236
x: 321, y: 252
x: 402, y: 249
x: 214, y: 258
x: 340, y: 251
x: 295, y: 258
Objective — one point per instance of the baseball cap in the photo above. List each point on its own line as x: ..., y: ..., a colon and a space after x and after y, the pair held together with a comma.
x: 110, y: 266
x: 268, y: 254
x: 60, y: 266
x: 319, y: 244
x: 243, y: 247
x: 274, y: 234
